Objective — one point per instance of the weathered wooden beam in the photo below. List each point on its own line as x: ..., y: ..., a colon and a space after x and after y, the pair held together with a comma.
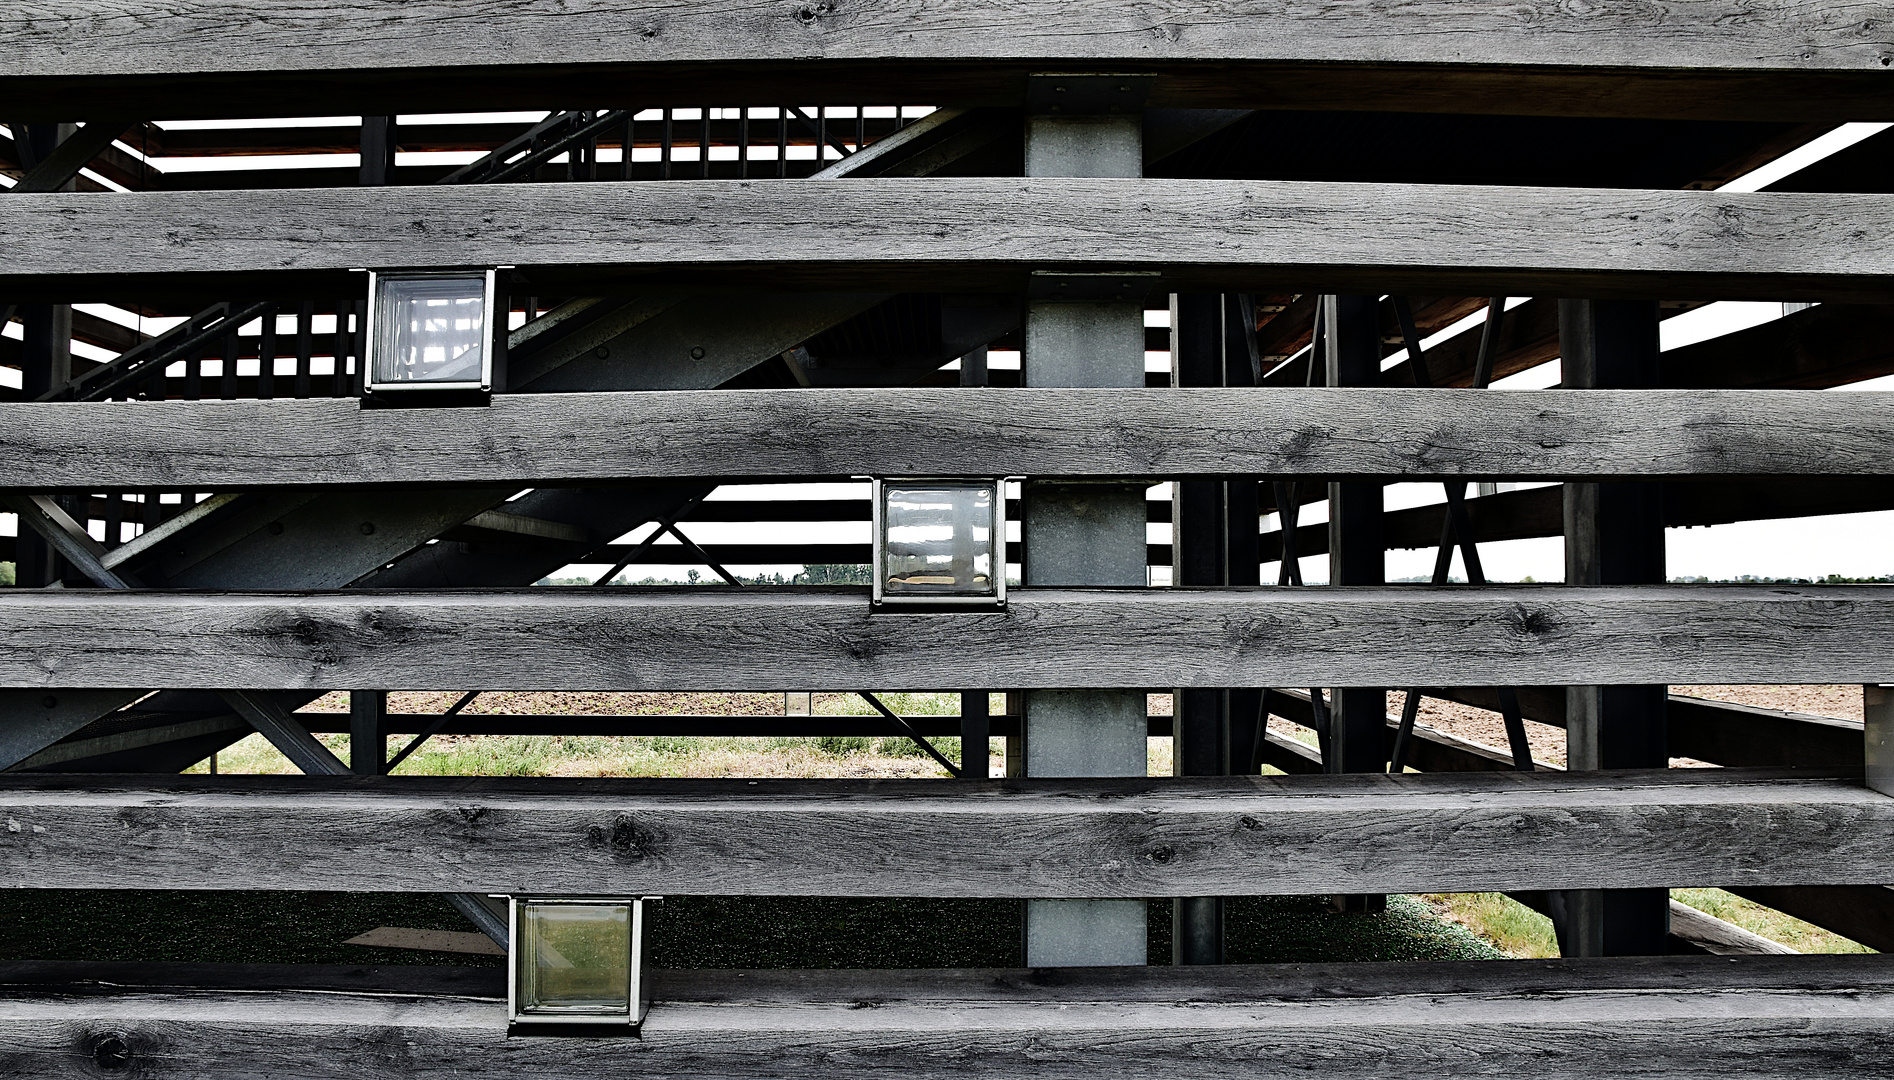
x: 1755, y: 1016
x: 1349, y: 432
x: 1816, y: 348
x: 1519, y: 515
x: 1719, y: 732
x: 1450, y: 832
x: 1713, y: 58
x: 1053, y: 638
x: 1863, y: 913
x: 968, y: 232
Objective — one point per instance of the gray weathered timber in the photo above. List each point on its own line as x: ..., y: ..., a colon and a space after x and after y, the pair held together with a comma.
x: 1485, y: 56
x: 828, y: 639
x: 1692, y: 1017
x: 1719, y: 732
x: 182, y: 39
x: 981, y: 233
x: 938, y: 1025
x: 1516, y: 515
x: 1041, y: 432
x: 1719, y: 938
x: 1450, y: 832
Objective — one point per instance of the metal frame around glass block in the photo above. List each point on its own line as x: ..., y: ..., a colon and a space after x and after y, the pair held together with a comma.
x: 636, y: 996
x: 997, y: 542
x: 374, y: 339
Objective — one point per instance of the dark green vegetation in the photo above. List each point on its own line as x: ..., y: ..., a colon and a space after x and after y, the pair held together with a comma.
x: 684, y: 932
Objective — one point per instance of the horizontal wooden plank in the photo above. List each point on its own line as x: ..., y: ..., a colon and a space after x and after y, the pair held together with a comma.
x: 1781, y: 1017
x: 1763, y: 35
x: 1518, y: 515
x: 1719, y: 732
x: 158, y: 729
x: 981, y: 233
x: 1465, y: 832
x: 1818, y: 58
x: 20, y: 978
x: 1344, y: 432
x: 818, y: 638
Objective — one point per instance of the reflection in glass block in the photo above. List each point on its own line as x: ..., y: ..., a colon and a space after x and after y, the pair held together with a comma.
x: 937, y: 539
x: 430, y: 330
x: 575, y: 959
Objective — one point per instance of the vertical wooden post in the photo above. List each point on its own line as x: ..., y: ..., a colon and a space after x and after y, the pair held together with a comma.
x: 368, y: 732
x: 1084, y: 331
x: 1242, y: 540
x: 976, y: 728
x: 1357, y: 555
x: 1357, y: 740
x: 378, y: 150
x: 1198, y: 541
x: 1614, y: 535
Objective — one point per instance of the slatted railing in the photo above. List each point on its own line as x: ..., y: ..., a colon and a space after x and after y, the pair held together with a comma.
x: 256, y: 603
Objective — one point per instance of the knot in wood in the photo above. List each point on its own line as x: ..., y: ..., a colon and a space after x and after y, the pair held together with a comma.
x: 1533, y: 622
x: 1300, y: 444
x: 625, y: 838
x: 110, y: 1051
x: 472, y: 815
x: 808, y: 14
x: 1249, y: 824
x: 1161, y: 854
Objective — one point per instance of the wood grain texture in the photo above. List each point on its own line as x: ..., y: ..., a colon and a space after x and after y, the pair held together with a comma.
x: 675, y: 639
x: 1040, y: 432
x: 192, y: 35
x: 1459, y: 832
x: 1116, y: 1024
x: 980, y: 233
x: 1537, y: 54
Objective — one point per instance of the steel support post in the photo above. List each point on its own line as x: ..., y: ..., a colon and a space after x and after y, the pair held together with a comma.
x: 1082, y: 331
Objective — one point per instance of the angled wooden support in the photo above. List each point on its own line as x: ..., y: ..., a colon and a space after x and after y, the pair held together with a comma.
x: 68, y: 537
x: 284, y: 733
x: 73, y: 153
x: 1532, y: 512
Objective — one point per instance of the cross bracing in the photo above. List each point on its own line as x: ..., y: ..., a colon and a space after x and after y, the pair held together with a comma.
x: 875, y: 288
